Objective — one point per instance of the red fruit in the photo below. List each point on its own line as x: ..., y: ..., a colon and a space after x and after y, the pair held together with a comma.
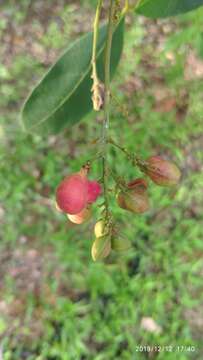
x: 162, y: 172
x: 71, y: 194
x: 93, y: 191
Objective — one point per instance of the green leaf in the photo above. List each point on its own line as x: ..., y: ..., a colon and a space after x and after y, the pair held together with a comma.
x: 63, y: 96
x: 164, y: 8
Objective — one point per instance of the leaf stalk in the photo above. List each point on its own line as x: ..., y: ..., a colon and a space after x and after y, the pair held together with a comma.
x: 97, y: 87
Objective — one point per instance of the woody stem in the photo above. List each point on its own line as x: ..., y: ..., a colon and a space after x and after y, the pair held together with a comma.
x: 107, y: 103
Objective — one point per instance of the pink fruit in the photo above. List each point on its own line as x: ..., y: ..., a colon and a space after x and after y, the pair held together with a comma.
x: 162, y: 172
x: 94, y: 190
x: 71, y: 194
x: 75, y: 192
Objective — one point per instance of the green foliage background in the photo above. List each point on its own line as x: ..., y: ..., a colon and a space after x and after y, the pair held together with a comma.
x: 55, y: 302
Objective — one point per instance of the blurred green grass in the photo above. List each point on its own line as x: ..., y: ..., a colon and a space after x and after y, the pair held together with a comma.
x: 55, y: 302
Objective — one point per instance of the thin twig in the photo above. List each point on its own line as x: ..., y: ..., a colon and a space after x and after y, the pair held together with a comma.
x: 122, y: 108
x: 123, y: 149
x: 107, y: 103
x: 135, y: 160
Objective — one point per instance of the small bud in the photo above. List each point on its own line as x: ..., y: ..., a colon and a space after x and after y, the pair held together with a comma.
x: 162, y: 172
x: 100, y: 229
x: 101, y: 247
x: 120, y: 244
x: 71, y: 194
x: 135, y: 198
x: 93, y: 191
x: 81, y: 217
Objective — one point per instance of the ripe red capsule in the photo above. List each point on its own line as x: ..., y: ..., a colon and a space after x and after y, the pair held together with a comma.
x: 162, y: 172
x: 71, y: 194
x: 75, y: 192
x: 94, y: 190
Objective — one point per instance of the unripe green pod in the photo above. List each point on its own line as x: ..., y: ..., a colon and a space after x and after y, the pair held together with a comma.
x: 101, y: 247
x: 120, y: 244
x: 100, y: 229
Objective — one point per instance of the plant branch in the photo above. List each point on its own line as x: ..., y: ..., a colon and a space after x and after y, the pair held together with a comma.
x: 107, y: 71
x: 135, y: 160
x: 107, y: 103
x: 123, y: 149
x: 119, y: 181
x: 122, y: 108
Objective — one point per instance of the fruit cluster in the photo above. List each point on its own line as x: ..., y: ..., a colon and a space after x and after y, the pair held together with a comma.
x: 76, y: 194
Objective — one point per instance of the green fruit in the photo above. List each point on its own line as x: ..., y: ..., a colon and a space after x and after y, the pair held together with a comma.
x: 133, y: 201
x: 120, y: 244
x: 100, y: 229
x: 101, y: 247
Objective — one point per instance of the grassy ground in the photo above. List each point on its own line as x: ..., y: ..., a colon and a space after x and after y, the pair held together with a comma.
x: 55, y: 303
